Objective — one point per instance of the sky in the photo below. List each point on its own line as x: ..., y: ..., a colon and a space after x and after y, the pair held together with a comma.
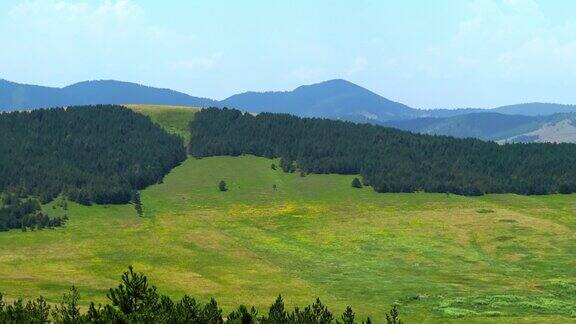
x: 426, y: 54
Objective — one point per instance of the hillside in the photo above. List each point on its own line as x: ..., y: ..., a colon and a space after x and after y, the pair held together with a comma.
x: 536, y: 109
x: 330, y: 99
x: 482, y: 125
x: 91, y: 154
x: 484, y: 259
x: 560, y: 129
x: 15, y: 96
x: 389, y: 160
x: 174, y: 119
x: 556, y: 128
x: 337, y: 98
x: 313, y: 236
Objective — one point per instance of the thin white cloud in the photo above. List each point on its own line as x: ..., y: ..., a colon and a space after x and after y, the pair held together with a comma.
x: 91, y: 39
x: 50, y: 13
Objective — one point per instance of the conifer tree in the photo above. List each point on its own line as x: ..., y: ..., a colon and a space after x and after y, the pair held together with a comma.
x: 393, y: 317
x: 68, y: 310
x: 222, y: 185
x: 277, y: 314
x: 137, y: 203
x: 348, y: 316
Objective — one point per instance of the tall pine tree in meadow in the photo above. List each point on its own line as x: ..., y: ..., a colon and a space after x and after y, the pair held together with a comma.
x: 137, y: 203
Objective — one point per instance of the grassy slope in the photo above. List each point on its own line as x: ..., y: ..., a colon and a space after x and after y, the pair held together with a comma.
x: 174, y: 119
x: 438, y: 255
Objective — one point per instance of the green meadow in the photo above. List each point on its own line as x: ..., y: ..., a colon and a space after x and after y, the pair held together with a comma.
x: 441, y: 258
x: 173, y: 119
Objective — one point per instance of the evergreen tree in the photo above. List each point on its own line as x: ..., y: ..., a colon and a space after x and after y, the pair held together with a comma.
x: 356, y: 183
x: 133, y: 295
x: 212, y: 313
x: 25, y: 213
x: 222, y: 185
x: 393, y: 317
x: 83, y: 153
x: 135, y: 300
x: 348, y: 316
x: 321, y: 313
x: 68, y: 310
x: 137, y: 203
x: 277, y: 314
x: 387, y: 159
x: 243, y: 316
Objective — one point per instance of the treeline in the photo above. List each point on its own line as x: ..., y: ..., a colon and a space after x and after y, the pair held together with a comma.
x: 25, y: 214
x: 91, y: 154
x: 389, y: 160
x: 136, y: 301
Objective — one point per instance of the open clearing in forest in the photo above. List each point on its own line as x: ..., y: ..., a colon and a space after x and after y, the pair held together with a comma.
x: 441, y: 257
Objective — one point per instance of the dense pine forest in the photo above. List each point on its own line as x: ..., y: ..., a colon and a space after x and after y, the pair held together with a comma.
x: 389, y: 160
x: 92, y: 154
x: 135, y: 300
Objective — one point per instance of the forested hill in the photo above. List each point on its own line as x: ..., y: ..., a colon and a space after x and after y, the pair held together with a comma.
x: 95, y: 154
x: 14, y: 96
x: 329, y: 99
x: 389, y: 160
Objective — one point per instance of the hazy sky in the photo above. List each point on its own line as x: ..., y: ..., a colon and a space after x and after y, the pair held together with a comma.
x: 427, y: 54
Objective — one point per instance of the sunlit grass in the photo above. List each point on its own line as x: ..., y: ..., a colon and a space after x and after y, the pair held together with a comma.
x: 174, y: 119
x: 441, y: 257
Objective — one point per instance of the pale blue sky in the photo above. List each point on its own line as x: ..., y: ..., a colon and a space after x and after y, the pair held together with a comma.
x: 479, y: 53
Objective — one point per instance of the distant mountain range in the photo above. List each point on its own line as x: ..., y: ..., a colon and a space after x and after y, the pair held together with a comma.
x: 336, y: 99
x: 330, y: 99
x: 559, y: 127
x: 23, y: 96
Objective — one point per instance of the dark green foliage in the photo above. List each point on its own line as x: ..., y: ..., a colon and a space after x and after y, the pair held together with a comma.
x: 389, y: 160
x: 277, y: 314
x: 33, y: 311
x: 136, y: 301
x: 348, y: 316
x: 133, y: 295
x: 317, y: 313
x: 393, y: 317
x: 356, y: 183
x: 243, y: 316
x: 25, y: 213
x: 222, y: 185
x: 211, y: 313
x: 96, y: 154
x: 273, y: 166
x: 137, y: 203
x: 68, y: 310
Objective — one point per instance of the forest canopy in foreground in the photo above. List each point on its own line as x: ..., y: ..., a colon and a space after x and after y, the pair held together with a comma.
x: 389, y: 160
x: 136, y: 301
x: 97, y: 154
